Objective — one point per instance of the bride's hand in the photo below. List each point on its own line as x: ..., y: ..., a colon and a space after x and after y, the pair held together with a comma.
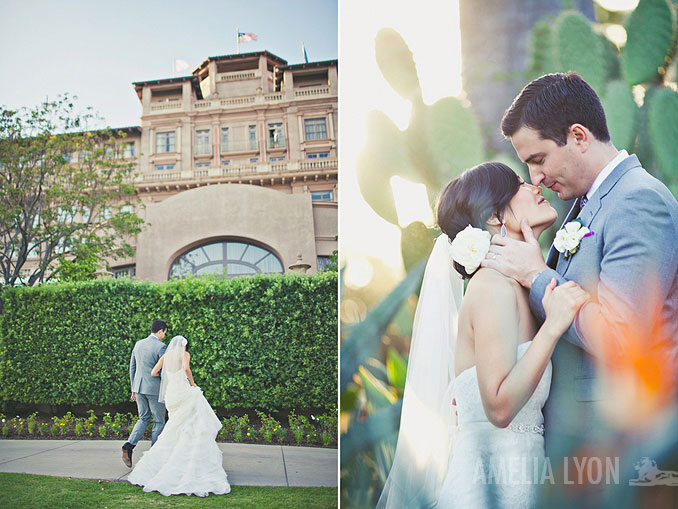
x: 561, y: 304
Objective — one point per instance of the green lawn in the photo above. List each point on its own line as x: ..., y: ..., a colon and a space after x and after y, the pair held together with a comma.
x: 27, y: 491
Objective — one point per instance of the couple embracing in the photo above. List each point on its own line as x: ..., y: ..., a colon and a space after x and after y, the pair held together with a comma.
x: 518, y: 354
x: 184, y: 457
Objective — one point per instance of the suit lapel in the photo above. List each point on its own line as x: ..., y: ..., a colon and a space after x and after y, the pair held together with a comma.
x: 554, y: 255
x: 591, y: 209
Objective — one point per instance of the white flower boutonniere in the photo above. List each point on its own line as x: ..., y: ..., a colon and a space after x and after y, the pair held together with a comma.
x: 469, y: 247
x: 570, y: 236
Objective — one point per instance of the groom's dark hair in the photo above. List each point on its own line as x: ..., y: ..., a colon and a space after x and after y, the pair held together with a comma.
x: 474, y: 197
x: 551, y: 104
x: 157, y: 326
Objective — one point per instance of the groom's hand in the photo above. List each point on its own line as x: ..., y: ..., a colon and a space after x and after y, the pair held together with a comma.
x: 516, y: 259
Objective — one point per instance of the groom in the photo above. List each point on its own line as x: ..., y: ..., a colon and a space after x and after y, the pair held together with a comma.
x: 558, y: 128
x: 145, y: 388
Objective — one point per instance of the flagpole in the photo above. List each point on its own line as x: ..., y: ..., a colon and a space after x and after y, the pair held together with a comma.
x: 237, y: 40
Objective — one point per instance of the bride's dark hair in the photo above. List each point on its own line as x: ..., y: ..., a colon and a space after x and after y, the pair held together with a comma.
x: 474, y: 197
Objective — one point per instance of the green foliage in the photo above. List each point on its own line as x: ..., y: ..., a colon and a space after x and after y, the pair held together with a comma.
x: 264, y: 341
x: 663, y: 124
x: 440, y: 142
x: 22, y: 491
x: 65, y: 196
x: 416, y: 243
x: 396, y: 64
x: 621, y: 112
x: 541, y: 51
x: 650, y: 30
x: 580, y: 49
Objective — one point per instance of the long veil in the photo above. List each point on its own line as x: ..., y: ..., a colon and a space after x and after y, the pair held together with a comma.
x: 428, y: 420
x: 174, y: 361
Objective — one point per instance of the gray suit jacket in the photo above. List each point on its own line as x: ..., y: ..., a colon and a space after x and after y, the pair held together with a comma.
x: 145, y: 356
x: 630, y: 262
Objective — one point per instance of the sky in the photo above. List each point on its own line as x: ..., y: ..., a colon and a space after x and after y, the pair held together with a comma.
x: 95, y: 49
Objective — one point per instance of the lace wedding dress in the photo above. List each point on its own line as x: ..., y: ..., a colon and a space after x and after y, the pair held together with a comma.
x: 490, y: 466
x: 186, y: 458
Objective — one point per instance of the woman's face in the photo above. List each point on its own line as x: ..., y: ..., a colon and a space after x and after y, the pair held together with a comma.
x: 528, y: 203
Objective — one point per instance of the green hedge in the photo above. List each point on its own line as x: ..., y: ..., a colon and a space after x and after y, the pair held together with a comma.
x: 266, y: 341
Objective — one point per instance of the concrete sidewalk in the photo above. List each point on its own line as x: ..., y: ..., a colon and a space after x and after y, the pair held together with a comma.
x: 245, y: 464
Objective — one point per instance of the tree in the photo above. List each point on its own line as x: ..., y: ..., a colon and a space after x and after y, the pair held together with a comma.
x: 66, y: 201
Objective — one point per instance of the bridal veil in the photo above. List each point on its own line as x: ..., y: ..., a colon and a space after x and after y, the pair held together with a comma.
x: 174, y: 361
x: 428, y: 420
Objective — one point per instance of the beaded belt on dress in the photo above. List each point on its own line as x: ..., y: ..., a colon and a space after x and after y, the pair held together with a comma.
x: 527, y: 428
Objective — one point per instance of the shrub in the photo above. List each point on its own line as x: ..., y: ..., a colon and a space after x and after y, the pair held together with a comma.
x: 272, y: 331
x: 31, y: 422
x: 102, y: 431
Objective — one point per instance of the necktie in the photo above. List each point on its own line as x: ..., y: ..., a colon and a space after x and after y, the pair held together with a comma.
x: 584, y: 201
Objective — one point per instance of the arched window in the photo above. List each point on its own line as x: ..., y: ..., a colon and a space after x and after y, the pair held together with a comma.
x: 231, y: 258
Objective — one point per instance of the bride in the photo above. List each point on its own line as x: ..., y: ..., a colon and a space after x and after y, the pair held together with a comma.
x: 186, y: 458
x: 486, y: 352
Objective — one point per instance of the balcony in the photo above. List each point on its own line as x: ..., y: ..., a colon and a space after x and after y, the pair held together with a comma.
x: 312, y: 92
x: 240, y: 102
x: 270, y: 169
x: 231, y: 146
x: 278, y: 142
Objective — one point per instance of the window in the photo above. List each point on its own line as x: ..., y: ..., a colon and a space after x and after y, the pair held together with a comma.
x: 224, y: 139
x: 252, y: 130
x: 202, y: 165
x: 202, y: 142
x: 254, y: 160
x: 67, y: 156
x: 275, y: 136
x: 127, y: 271
x: 279, y: 158
x: 128, y: 150
x: 164, y: 142
x: 317, y: 155
x: 164, y: 166
x: 315, y: 129
x: 127, y: 208
x: 230, y: 258
x: 323, y: 262
x: 106, y: 213
x: 321, y: 195
x: 226, y: 163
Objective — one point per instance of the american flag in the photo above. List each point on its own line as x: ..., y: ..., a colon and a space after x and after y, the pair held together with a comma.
x: 247, y: 37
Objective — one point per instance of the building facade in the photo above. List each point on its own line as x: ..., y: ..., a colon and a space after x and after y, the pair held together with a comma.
x: 236, y: 168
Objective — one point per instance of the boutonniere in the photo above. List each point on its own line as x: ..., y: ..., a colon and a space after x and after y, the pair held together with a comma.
x: 569, y: 237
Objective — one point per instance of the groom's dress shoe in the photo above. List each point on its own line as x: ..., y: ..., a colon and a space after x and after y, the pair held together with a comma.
x: 127, y: 454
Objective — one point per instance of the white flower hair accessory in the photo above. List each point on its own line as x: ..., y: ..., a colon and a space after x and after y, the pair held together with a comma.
x: 469, y: 247
x: 570, y: 236
x: 184, y: 342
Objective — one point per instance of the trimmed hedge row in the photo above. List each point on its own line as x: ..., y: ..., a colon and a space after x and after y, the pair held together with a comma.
x: 266, y: 341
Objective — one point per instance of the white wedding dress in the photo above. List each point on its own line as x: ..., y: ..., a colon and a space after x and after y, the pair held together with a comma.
x: 186, y: 458
x: 491, y: 466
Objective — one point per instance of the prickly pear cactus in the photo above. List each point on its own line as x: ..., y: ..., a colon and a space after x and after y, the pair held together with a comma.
x: 621, y: 111
x: 663, y: 125
x: 650, y: 30
x: 580, y: 49
x: 441, y: 141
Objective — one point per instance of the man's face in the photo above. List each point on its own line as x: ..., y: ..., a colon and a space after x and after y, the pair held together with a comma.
x: 558, y: 168
x: 161, y: 334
